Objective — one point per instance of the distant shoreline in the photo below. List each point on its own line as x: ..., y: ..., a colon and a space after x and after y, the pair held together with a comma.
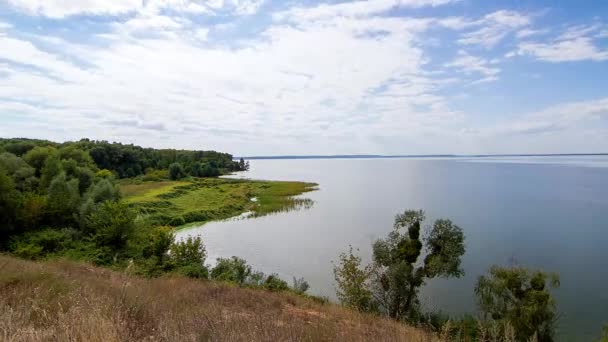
x: 376, y: 156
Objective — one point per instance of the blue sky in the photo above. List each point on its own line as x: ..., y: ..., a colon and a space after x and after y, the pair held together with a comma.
x: 256, y: 77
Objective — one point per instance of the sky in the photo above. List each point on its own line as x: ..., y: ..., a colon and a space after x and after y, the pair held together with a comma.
x: 263, y: 77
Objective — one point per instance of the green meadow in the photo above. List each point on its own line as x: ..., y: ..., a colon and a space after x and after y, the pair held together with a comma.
x: 176, y: 203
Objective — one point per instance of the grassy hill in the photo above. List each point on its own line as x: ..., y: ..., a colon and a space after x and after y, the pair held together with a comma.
x: 67, y: 301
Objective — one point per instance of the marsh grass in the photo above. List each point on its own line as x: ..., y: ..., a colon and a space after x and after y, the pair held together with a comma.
x: 177, y: 203
x: 65, y: 301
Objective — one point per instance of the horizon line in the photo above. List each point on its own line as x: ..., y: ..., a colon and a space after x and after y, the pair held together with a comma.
x: 371, y: 156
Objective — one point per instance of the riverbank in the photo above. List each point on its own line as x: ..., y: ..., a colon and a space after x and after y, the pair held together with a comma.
x: 200, y: 200
x: 68, y: 301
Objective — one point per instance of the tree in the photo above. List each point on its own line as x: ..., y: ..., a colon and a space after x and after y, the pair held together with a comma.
x: 9, y: 202
x: 234, y: 270
x: 242, y: 164
x: 189, y: 257
x: 196, y: 170
x: 63, y: 198
x: 520, y: 297
x: 37, y: 157
x: 395, y: 276
x: 51, y: 169
x: 351, y: 280
x: 176, y: 171
x: 112, y: 225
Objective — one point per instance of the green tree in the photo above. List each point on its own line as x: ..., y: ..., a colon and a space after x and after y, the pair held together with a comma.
x: 32, y: 210
x: 62, y: 199
x: 396, y: 275
x: 106, y: 174
x: 176, y: 171
x: 352, y: 282
x: 51, y: 169
x: 37, y: 157
x: 520, y: 297
x: 234, y: 270
x: 189, y: 257
x: 112, y: 225
x: 9, y: 202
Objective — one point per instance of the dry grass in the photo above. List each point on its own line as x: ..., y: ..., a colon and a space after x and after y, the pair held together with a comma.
x: 65, y: 301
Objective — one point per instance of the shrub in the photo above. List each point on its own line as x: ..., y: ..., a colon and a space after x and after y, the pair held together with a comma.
x: 155, y: 175
x: 33, y: 245
x: 300, y: 286
x: 274, y: 283
x: 188, y: 257
x: 112, y: 224
x: 522, y: 298
x: 176, y: 171
x: 234, y: 270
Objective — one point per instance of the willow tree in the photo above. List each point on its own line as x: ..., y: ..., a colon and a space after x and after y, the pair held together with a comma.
x: 398, y: 272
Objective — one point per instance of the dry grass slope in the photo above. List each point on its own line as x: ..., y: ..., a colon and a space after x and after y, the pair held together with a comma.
x: 65, y: 301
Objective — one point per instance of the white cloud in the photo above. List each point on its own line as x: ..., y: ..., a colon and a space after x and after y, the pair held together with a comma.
x: 160, y: 77
x: 275, y: 86
x: 494, y: 27
x: 359, y: 8
x: 527, y: 32
x: 578, y: 49
x: 575, y: 44
x: 471, y: 64
x: 66, y: 8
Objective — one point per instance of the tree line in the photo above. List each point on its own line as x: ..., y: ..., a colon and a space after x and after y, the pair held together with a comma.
x: 127, y: 160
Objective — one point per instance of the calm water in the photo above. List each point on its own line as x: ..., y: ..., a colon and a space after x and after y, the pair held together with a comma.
x: 547, y: 212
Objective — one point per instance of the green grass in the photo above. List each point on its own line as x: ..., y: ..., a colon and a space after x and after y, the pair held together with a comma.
x: 176, y: 203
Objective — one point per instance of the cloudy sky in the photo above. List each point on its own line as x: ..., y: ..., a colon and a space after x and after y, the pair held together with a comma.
x: 263, y: 77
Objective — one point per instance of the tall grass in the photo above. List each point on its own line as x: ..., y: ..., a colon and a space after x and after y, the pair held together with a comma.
x: 64, y: 301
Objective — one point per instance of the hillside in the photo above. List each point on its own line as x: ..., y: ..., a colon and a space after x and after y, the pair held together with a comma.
x: 66, y: 301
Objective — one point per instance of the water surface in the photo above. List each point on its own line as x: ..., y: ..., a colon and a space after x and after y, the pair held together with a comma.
x: 548, y: 212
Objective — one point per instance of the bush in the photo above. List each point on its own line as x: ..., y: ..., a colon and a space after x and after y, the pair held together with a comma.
x: 274, y: 283
x: 33, y: 245
x: 176, y: 171
x: 300, y: 286
x: 155, y: 175
x: 193, y: 271
x: 188, y: 257
x: 234, y: 270
x: 112, y: 225
x: 177, y: 221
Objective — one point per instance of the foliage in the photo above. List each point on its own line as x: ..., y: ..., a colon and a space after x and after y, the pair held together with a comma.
x: 51, y: 169
x: 112, y: 225
x: 9, y: 202
x: 274, y: 283
x: 397, y: 275
x: 37, y: 244
x: 37, y: 157
x: 300, y: 285
x: 63, y: 199
x: 234, y: 270
x: 521, y: 297
x: 189, y: 256
x: 352, y: 282
x: 176, y: 171
x: 604, y: 337
x: 391, y: 284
